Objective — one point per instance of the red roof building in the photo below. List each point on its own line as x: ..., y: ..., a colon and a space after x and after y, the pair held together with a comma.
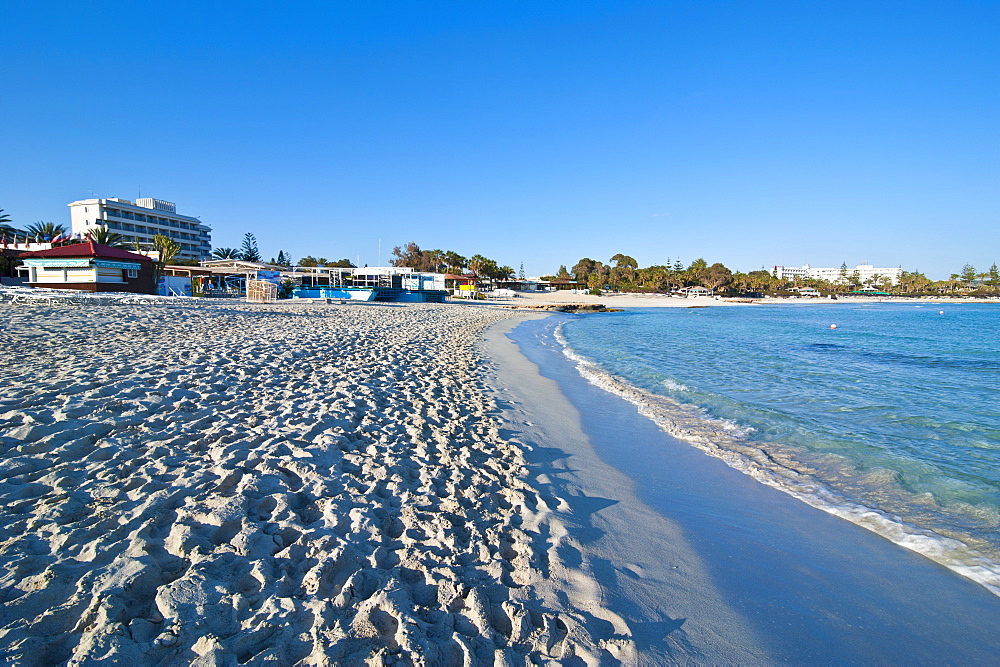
x: 87, y: 249
x: 90, y: 267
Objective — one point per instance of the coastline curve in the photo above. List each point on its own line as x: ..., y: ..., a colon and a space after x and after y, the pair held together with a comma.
x: 732, y: 444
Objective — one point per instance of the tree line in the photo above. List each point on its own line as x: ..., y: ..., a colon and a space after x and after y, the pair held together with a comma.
x: 449, y: 261
x: 623, y: 274
x: 249, y: 252
x: 36, y: 232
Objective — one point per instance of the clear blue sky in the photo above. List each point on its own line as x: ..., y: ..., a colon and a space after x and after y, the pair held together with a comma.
x: 750, y: 133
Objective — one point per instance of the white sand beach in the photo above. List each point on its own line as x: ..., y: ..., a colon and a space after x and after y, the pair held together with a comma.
x: 215, y: 482
x: 319, y: 484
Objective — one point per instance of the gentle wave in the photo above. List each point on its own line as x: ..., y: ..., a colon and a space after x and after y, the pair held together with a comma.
x: 672, y: 385
x: 731, y: 443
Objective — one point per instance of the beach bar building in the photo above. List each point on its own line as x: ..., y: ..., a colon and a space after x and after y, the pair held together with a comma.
x: 90, y: 267
x: 695, y: 291
x: 381, y: 283
x: 229, y: 277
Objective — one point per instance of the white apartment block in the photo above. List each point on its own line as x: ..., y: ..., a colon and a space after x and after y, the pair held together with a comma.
x: 140, y: 220
x: 866, y: 272
x: 790, y: 272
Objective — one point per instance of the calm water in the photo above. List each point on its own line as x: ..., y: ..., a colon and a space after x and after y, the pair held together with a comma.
x: 891, y: 420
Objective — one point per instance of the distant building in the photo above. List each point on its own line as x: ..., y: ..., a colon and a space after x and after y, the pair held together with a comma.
x: 694, y: 291
x: 539, y: 284
x: 790, y: 272
x: 90, y: 267
x: 866, y: 273
x: 141, y: 220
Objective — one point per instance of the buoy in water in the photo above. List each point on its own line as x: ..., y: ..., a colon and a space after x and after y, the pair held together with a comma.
x: 833, y: 326
x: 940, y: 312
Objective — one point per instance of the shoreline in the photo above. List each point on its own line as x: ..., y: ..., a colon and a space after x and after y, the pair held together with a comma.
x: 787, y: 471
x: 190, y: 481
x: 786, y: 572
x: 652, y: 583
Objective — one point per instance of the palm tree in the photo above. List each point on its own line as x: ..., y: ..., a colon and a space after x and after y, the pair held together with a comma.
x: 5, y: 226
x: 741, y: 282
x: 7, y: 230
x: 105, y: 236
x: 433, y: 261
x: 454, y: 261
x: 226, y: 253
x: 45, y: 231
x: 476, y: 263
x: 168, y: 249
x: 166, y: 246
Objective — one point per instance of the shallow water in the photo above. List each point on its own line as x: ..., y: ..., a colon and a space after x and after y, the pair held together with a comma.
x: 811, y: 588
x: 891, y: 420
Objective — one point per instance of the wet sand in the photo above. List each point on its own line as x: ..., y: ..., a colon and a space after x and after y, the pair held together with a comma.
x: 214, y: 482
x: 704, y: 563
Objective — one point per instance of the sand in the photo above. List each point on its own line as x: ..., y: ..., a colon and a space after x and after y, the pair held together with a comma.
x: 219, y: 482
x: 704, y: 564
x: 654, y: 587
x: 214, y: 482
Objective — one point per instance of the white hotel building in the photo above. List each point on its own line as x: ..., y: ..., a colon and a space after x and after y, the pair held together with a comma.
x: 865, y: 271
x: 141, y: 220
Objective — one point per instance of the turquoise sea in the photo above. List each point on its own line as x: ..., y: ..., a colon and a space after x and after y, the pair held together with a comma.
x: 890, y: 420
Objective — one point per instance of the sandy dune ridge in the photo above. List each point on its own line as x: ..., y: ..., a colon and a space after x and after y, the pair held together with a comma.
x: 223, y: 483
